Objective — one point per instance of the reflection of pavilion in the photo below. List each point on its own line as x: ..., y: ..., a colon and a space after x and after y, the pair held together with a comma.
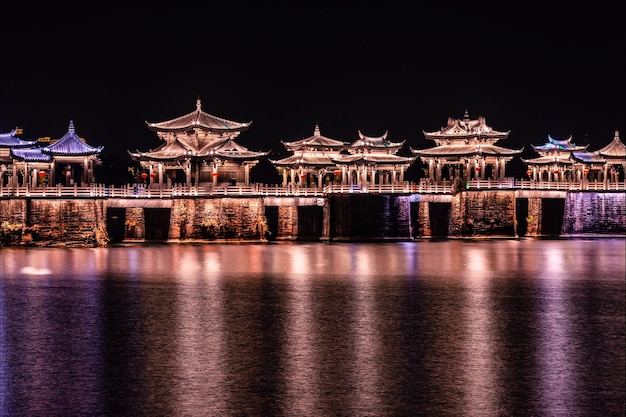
x: 199, y: 149
x: 466, y: 149
x: 318, y: 160
x: 67, y: 161
x: 562, y: 160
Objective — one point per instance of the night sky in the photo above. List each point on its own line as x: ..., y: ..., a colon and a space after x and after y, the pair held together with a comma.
x: 397, y: 69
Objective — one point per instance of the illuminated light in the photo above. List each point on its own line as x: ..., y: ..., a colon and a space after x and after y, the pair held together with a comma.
x: 153, y: 175
x: 303, y: 176
x: 337, y: 172
x: 42, y: 174
x: 214, y: 174
x: 144, y: 175
x: 477, y: 168
x: 585, y: 171
x: 529, y: 172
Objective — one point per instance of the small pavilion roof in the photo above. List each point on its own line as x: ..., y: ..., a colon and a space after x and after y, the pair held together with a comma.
x: 316, y: 141
x: 198, y: 119
x: 232, y: 150
x: 71, y: 145
x: 10, y: 140
x: 376, y: 142
x: 588, y: 157
x: 559, y: 145
x: 33, y: 154
x: 302, y: 159
x: 615, y: 149
x: 372, y: 158
x: 466, y: 128
x: 466, y: 150
x: 549, y: 160
x: 174, y: 151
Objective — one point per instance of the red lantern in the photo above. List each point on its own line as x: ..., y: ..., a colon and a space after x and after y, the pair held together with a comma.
x: 337, y: 172
x: 477, y: 168
x: 144, y: 175
x: 214, y: 174
x: 585, y: 171
x: 529, y: 172
x: 303, y: 176
x: 42, y: 174
x: 153, y: 175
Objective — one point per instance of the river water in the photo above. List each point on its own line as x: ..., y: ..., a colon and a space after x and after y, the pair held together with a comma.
x: 519, y: 327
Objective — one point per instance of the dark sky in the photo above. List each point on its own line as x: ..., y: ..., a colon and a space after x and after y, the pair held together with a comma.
x: 396, y: 69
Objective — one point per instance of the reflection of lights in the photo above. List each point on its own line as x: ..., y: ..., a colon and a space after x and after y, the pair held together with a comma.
x: 31, y: 270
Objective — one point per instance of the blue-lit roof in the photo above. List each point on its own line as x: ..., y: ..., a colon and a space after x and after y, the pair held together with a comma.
x: 71, y: 144
x: 9, y: 140
x: 30, y: 155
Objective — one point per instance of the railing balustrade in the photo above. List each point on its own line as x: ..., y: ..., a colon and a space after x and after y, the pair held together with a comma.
x: 177, y: 190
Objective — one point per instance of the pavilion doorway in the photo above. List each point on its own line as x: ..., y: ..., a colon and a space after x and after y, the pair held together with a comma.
x: 157, y: 223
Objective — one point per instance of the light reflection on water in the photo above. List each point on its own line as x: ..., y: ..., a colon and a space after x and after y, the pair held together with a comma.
x: 477, y: 328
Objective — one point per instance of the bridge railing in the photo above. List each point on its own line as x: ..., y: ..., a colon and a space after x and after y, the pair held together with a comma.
x: 424, y: 187
x: 521, y: 184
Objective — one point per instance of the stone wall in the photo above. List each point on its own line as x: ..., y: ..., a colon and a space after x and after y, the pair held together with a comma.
x: 62, y: 222
x: 83, y: 222
x: 485, y: 213
x: 593, y: 212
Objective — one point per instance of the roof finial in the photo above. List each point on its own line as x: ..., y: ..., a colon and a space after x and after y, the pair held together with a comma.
x: 198, y: 103
x: 316, y: 132
x: 71, y: 128
x: 466, y: 114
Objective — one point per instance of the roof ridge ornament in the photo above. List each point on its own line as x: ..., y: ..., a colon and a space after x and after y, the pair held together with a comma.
x: 198, y: 104
x: 71, y: 128
x: 316, y: 131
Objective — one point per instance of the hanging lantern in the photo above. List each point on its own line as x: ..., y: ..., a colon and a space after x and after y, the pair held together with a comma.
x: 42, y: 174
x: 477, y: 168
x: 153, y: 175
x: 529, y: 172
x: 303, y: 176
x: 144, y: 175
x: 586, y: 171
x: 337, y: 172
x: 214, y: 174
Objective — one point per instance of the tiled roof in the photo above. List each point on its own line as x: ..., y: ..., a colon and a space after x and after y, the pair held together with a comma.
x: 231, y: 149
x: 549, y: 160
x: 559, y: 145
x: 376, y: 142
x: 316, y: 141
x: 588, y: 157
x: 615, y: 149
x: 199, y: 119
x: 30, y: 155
x: 304, y: 160
x: 463, y: 150
x: 466, y: 128
x: 373, y: 158
x: 71, y: 144
x: 9, y: 140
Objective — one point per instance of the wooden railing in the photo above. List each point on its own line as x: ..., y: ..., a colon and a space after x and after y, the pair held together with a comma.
x: 423, y: 187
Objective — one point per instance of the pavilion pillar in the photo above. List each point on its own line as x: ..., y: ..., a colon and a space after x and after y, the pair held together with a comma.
x: 247, y: 174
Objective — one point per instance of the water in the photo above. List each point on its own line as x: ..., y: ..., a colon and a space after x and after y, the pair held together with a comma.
x: 523, y: 327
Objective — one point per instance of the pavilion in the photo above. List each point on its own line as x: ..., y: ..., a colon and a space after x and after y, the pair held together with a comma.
x: 198, y: 149
x: 466, y: 149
